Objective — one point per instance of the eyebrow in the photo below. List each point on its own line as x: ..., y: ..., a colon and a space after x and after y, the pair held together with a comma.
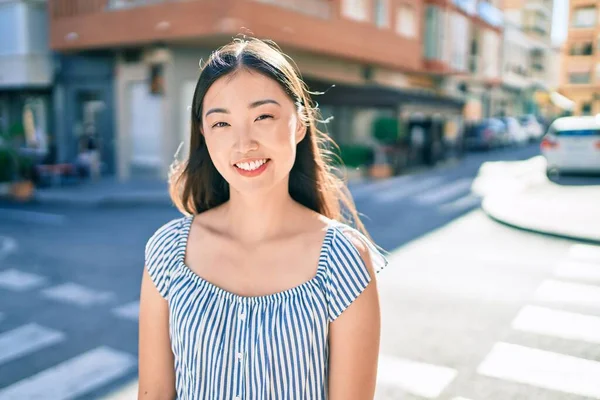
x: 254, y: 104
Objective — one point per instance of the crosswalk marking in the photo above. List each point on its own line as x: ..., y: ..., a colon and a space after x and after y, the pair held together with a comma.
x: 128, y: 392
x: 8, y: 246
x: 403, y: 191
x: 463, y: 203
x: 77, y: 294
x: 579, y: 270
x: 73, y: 378
x: 20, y: 281
x: 362, y: 190
x: 445, y: 192
x: 128, y: 311
x: 578, y: 294
x: 27, y: 339
x: 543, y: 369
x: 566, y: 325
x: 585, y: 252
x: 421, y: 379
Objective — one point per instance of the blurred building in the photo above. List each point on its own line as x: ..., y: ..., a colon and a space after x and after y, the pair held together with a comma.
x: 128, y: 67
x: 581, y: 57
x: 26, y: 72
x: 470, y: 38
x: 528, y: 56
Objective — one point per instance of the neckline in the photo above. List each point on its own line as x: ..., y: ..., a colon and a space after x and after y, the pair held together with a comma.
x: 286, y: 293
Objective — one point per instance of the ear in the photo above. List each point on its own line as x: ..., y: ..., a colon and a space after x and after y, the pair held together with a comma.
x: 301, y: 130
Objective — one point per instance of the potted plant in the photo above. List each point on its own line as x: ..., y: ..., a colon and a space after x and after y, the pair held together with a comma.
x: 385, y: 132
x: 354, y: 158
x: 17, y: 169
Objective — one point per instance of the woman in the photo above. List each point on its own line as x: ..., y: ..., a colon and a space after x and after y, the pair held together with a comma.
x: 260, y: 292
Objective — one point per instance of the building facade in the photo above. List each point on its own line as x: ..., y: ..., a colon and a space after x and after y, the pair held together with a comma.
x: 528, y: 71
x: 580, y: 77
x: 26, y: 72
x: 466, y: 36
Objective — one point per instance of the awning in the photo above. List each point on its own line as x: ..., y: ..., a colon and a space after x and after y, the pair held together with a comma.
x: 372, y: 95
x: 561, y: 101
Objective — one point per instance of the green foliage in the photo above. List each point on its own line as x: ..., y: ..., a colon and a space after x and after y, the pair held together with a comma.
x: 386, y: 130
x: 355, y: 155
x: 8, y: 157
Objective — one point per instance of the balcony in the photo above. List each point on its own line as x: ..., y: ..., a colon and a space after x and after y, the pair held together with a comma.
x: 315, y: 26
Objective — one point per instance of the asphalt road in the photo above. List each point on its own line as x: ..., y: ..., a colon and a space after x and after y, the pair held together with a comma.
x: 457, y: 281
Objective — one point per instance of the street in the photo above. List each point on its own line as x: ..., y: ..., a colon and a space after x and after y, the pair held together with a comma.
x: 471, y: 309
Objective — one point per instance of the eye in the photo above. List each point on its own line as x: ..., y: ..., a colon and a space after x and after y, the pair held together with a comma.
x: 264, y: 116
x: 220, y: 125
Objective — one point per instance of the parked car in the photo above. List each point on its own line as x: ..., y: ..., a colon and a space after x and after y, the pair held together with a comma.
x: 516, y: 133
x: 488, y: 134
x: 572, y: 144
x: 533, y: 127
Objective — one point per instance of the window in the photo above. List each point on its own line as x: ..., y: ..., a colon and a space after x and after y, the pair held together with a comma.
x: 381, y: 13
x: 406, y: 22
x: 434, y: 31
x: 586, y: 109
x: 582, y: 49
x: 584, y: 17
x: 459, y: 26
x: 355, y: 9
x: 579, y: 77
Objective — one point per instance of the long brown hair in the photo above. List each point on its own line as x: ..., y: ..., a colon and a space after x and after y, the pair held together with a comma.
x: 196, y: 185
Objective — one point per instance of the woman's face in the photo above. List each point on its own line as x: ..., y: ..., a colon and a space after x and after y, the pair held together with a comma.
x: 251, y: 129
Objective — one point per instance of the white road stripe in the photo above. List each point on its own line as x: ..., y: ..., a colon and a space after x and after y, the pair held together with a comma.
x: 566, y: 325
x: 127, y: 392
x: 417, y: 378
x: 73, y: 378
x: 579, y: 270
x: 460, y: 204
x: 405, y: 190
x: 25, y: 340
x: 579, y: 294
x: 77, y: 294
x: 33, y: 217
x: 8, y: 246
x: 20, y: 281
x: 128, y: 311
x: 444, y: 193
x: 363, y: 189
x: 543, y: 369
x: 585, y: 252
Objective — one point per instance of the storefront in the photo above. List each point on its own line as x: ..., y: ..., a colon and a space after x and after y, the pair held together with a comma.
x: 84, y: 107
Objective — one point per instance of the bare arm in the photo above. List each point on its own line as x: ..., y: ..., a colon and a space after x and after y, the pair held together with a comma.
x: 156, y: 370
x: 354, y: 343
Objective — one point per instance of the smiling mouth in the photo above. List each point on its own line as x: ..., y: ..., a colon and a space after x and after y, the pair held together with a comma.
x: 252, y: 165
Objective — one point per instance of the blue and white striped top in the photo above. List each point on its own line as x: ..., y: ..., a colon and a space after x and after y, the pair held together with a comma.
x: 228, y: 346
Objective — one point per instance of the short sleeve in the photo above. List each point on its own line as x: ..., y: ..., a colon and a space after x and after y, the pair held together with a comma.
x: 347, y: 274
x: 161, y: 254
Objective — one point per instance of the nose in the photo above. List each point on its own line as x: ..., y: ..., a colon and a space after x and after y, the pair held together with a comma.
x: 245, y: 141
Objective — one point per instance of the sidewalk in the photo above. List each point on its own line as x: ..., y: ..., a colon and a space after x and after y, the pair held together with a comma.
x: 107, y: 192
x: 520, y: 195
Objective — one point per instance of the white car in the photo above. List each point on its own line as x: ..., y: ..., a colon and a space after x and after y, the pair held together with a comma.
x: 572, y: 144
x: 516, y: 132
x: 532, y: 127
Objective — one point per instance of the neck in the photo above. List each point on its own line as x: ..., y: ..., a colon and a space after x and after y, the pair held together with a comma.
x: 252, y: 217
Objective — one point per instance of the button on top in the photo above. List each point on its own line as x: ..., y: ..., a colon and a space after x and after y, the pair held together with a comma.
x: 242, y: 316
x: 240, y: 356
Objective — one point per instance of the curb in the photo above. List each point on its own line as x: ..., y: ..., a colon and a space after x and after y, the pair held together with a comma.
x: 122, y: 200
x: 529, y: 228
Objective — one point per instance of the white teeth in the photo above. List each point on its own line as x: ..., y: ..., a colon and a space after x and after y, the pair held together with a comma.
x: 251, y: 166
